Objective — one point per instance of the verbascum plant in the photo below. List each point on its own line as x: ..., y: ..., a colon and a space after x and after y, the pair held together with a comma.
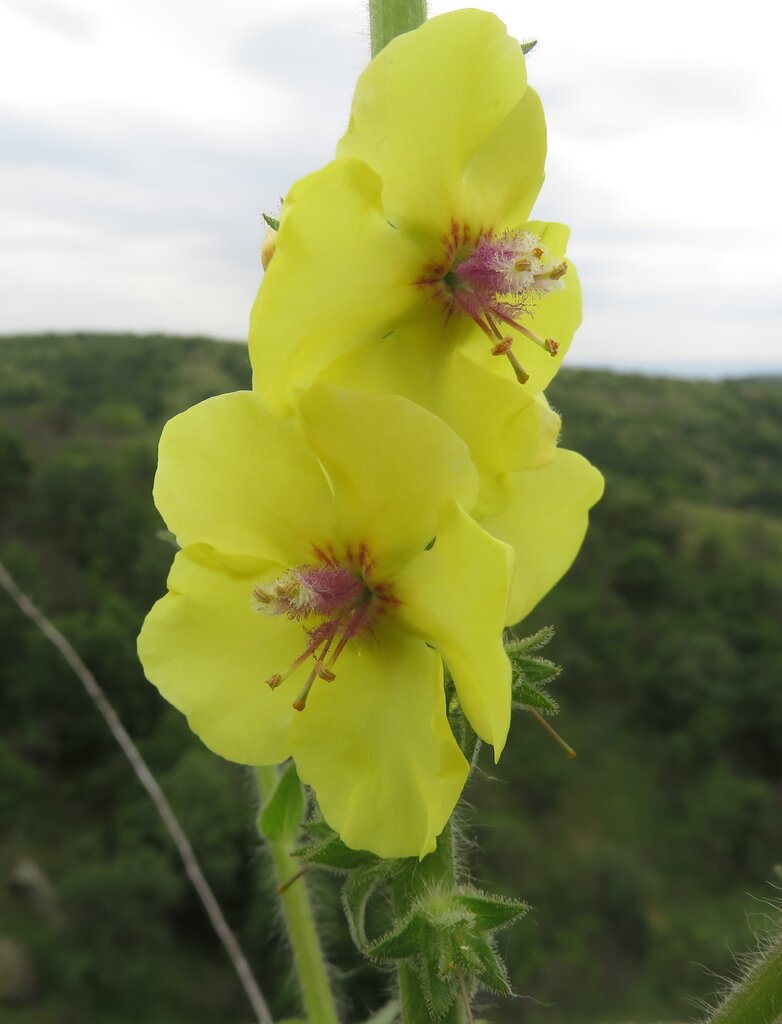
x: 358, y: 531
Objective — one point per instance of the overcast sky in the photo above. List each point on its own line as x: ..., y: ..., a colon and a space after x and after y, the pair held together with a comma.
x: 140, y: 140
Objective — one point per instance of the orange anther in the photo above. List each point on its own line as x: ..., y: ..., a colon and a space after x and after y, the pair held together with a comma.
x: 503, y: 347
x: 559, y: 271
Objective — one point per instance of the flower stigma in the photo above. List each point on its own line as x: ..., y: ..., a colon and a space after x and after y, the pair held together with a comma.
x: 334, y: 600
x: 495, y: 280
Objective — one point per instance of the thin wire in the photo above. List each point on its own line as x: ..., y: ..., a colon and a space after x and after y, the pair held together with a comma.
x: 150, y: 784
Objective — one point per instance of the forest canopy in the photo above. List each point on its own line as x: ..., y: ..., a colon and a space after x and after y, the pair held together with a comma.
x: 668, y: 630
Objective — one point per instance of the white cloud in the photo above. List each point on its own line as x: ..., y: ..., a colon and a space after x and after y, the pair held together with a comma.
x: 143, y: 138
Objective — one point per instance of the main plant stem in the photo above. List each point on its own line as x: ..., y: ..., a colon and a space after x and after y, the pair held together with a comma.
x: 757, y: 999
x: 390, y: 18
x: 437, y: 871
x: 297, y: 909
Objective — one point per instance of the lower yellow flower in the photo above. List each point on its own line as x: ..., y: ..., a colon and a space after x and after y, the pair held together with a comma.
x: 327, y: 570
x: 544, y: 513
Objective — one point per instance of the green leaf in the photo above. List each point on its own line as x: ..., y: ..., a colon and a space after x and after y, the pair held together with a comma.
x: 477, y: 955
x: 527, y: 46
x: 358, y: 887
x: 273, y: 223
x: 522, y: 645
x: 532, y: 697
x: 284, y: 809
x: 491, y: 912
x: 406, y: 941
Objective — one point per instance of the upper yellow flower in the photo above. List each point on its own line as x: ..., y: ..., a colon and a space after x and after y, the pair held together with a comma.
x: 415, y: 241
x: 327, y: 569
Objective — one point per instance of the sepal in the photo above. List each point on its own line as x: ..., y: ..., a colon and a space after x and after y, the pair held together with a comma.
x: 323, y: 848
x: 491, y: 912
x: 446, y: 934
x: 528, y: 696
x: 477, y: 955
x: 535, y: 670
x: 523, y: 645
x: 532, y: 673
x: 358, y: 887
x: 404, y: 942
x: 439, y: 985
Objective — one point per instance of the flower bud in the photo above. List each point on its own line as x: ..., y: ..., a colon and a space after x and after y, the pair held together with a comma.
x: 268, y: 247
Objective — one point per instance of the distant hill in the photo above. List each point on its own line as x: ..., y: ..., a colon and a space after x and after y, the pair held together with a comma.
x: 637, y: 857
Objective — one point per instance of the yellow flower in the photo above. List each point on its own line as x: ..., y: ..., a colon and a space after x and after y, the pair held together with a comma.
x: 327, y: 570
x: 415, y: 241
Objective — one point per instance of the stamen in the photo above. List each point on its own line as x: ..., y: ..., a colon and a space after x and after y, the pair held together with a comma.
x: 301, y: 701
x: 494, y: 328
x: 549, y: 345
x: 279, y: 677
x: 494, y: 278
x: 319, y: 670
x: 521, y: 374
x: 350, y: 630
x: 505, y: 348
x: 339, y: 592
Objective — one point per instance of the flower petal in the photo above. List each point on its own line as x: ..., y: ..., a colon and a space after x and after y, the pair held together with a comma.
x: 341, y: 275
x: 233, y: 476
x: 423, y: 107
x: 504, y: 425
x: 376, y: 747
x: 499, y: 421
x: 504, y: 177
x: 393, y: 465
x: 209, y: 653
x: 454, y: 595
x: 545, y: 524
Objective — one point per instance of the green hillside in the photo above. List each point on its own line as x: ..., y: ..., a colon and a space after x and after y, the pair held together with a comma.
x: 646, y: 859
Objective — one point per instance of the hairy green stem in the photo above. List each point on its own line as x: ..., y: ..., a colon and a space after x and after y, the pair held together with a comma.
x: 438, y: 870
x: 390, y: 18
x: 297, y: 909
x: 757, y: 998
